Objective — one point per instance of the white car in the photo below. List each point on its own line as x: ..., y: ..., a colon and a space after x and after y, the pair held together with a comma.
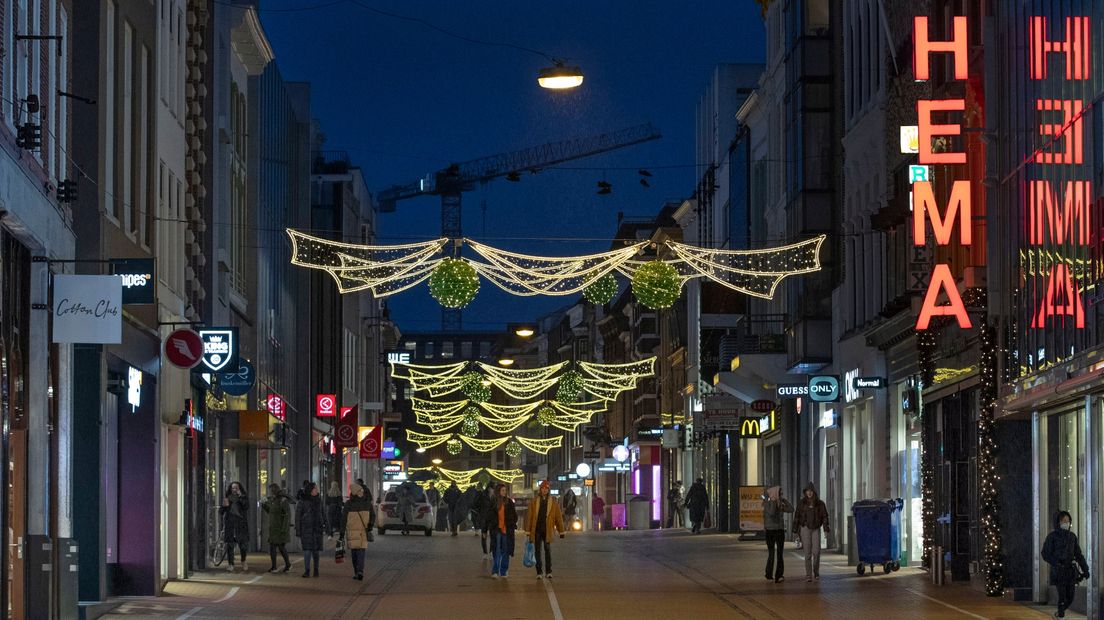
x: 389, y: 517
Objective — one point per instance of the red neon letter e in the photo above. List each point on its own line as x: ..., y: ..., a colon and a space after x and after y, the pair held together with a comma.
x: 926, y: 130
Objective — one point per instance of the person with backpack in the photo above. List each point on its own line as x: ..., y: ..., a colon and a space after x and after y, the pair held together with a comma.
x: 775, y: 508
x: 1067, y: 565
x: 358, y: 521
x: 810, y: 517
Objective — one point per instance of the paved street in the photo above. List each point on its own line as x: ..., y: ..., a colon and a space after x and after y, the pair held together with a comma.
x: 674, y: 575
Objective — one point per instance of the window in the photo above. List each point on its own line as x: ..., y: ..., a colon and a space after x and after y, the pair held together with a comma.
x: 465, y: 350
x: 144, y: 225
x: 128, y: 127
x: 427, y: 350
x: 410, y: 345
x: 352, y: 346
x: 484, y: 350
x: 447, y: 351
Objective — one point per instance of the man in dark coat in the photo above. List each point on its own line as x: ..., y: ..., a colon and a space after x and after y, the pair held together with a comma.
x: 309, y: 521
x: 1067, y: 566
x: 235, y: 523
x: 697, y: 502
x: 452, y: 500
x: 674, y: 505
x: 810, y: 516
x: 278, y: 510
x: 480, y: 508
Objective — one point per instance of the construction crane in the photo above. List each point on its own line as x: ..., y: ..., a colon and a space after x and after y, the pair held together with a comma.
x: 451, y: 182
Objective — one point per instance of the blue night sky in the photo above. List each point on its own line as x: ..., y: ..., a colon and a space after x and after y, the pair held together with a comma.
x: 404, y: 100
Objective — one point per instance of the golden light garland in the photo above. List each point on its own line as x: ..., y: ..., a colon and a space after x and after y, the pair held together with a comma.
x: 483, y: 445
x: 541, y: 446
x: 386, y: 270
x: 522, y: 384
x: 458, y: 476
x: 423, y: 440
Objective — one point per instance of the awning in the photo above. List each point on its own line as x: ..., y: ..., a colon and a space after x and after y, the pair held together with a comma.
x: 745, y: 386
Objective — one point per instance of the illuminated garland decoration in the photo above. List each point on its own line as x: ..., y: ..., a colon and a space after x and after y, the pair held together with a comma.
x: 525, y: 275
x: 454, y: 283
x: 423, y: 440
x: 436, y: 380
x: 385, y: 270
x: 601, y: 291
x: 475, y: 387
x: 469, y: 427
x: 502, y: 426
x: 505, y: 475
x: 541, y: 446
x: 925, y: 349
x: 438, y: 408
x: 987, y: 467
x: 522, y: 384
x: 484, y: 445
x: 453, y: 446
x: 657, y: 285
x: 545, y: 416
x: 606, y: 381
x: 510, y: 412
x: 752, y: 272
x: 513, y: 449
x: 462, y: 478
x: 570, y: 388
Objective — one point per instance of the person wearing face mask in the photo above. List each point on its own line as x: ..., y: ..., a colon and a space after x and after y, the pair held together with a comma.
x: 1067, y: 565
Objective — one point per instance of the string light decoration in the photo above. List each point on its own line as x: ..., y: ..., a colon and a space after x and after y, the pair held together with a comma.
x: 454, y: 283
x: 570, y: 387
x: 423, y: 440
x: 657, y: 285
x: 463, y: 477
x: 502, y: 426
x: 752, y: 272
x: 385, y: 270
x: 474, y: 388
x: 435, y: 380
x: 525, y: 275
x: 484, y: 445
x: 925, y: 349
x: 513, y: 449
x: 510, y: 412
x: 545, y: 415
x: 987, y: 463
x: 606, y: 381
x: 470, y: 425
x: 505, y: 475
x: 522, y: 384
x: 541, y: 446
x: 453, y: 446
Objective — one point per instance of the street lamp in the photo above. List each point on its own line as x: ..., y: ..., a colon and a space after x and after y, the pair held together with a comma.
x: 420, y: 450
x: 524, y: 332
x: 506, y: 361
x: 559, y: 76
x: 436, y: 461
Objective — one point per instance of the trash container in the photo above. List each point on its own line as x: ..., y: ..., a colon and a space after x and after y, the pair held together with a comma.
x: 640, y: 513
x: 878, y: 533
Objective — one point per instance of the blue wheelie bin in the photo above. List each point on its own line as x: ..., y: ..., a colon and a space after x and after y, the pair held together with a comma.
x: 878, y: 533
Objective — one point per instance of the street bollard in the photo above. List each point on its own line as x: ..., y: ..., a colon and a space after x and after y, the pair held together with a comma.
x: 937, y: 565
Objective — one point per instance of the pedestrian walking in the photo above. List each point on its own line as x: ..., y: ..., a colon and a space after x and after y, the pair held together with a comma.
x: 235, y: 523
x: 570, y: 504
x: 405, y: 494
x: 775, y: 508
x: 308, y: 524
x: 278, y: 509
x: 334, y: 505
x: 1067, y: 565
x: 674, y: 505
x: 452, y: 501
x: 504, y: 518
x: 542, y: 520
x: 697, y: 501
x: 810, y: 517
x: 481, y: 508
x: 598, y: 511
x: 358, y: 519
x: 367, y: 491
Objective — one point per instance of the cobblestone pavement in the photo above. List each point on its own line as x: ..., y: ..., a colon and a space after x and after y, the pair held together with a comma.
x: 608, y: 575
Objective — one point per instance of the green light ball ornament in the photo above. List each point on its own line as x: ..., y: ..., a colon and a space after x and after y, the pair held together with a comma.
x: 513, y: 449
x: 570, y: 388
x: 657, y: 285
x: 472, y: 387
x: 454, y: 446
x: 453, y: 283
x: 602, y: 290
x: 470, y: 426
x: 546, y: 415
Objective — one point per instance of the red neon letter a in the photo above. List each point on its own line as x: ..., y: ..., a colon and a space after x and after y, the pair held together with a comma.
x: 1061, y: 284
x: 942, y: 280
x: 1075, y: 47
x: 923, y: 48
x: 923, y: 202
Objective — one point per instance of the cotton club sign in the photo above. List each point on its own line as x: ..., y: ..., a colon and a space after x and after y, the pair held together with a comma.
x: 1052, y: 219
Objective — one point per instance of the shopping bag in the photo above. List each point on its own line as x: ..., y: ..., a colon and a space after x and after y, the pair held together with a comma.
x: 530, y: 557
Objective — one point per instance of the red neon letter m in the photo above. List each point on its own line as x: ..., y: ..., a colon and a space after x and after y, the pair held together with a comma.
x: 1075, y: 47
x: 1071, y: 221
x: 923, y: 48
x: 923, y: 202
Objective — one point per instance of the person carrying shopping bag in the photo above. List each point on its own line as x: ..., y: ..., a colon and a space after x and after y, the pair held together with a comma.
x: 1067, y: 565
x: 542, y: 520
x: 358, y: 520
x: 810, y: 516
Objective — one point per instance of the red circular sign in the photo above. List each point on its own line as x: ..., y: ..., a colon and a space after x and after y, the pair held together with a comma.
x: 345, y: 433
x: 183, y: 348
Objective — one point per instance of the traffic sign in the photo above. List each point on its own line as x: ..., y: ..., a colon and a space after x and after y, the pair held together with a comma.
x: 183, y: 348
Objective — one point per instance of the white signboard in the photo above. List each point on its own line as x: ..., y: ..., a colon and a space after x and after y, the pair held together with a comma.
x: 88, y: 309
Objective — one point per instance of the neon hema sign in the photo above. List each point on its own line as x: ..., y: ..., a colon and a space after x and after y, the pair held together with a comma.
x: 1052, y: 218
